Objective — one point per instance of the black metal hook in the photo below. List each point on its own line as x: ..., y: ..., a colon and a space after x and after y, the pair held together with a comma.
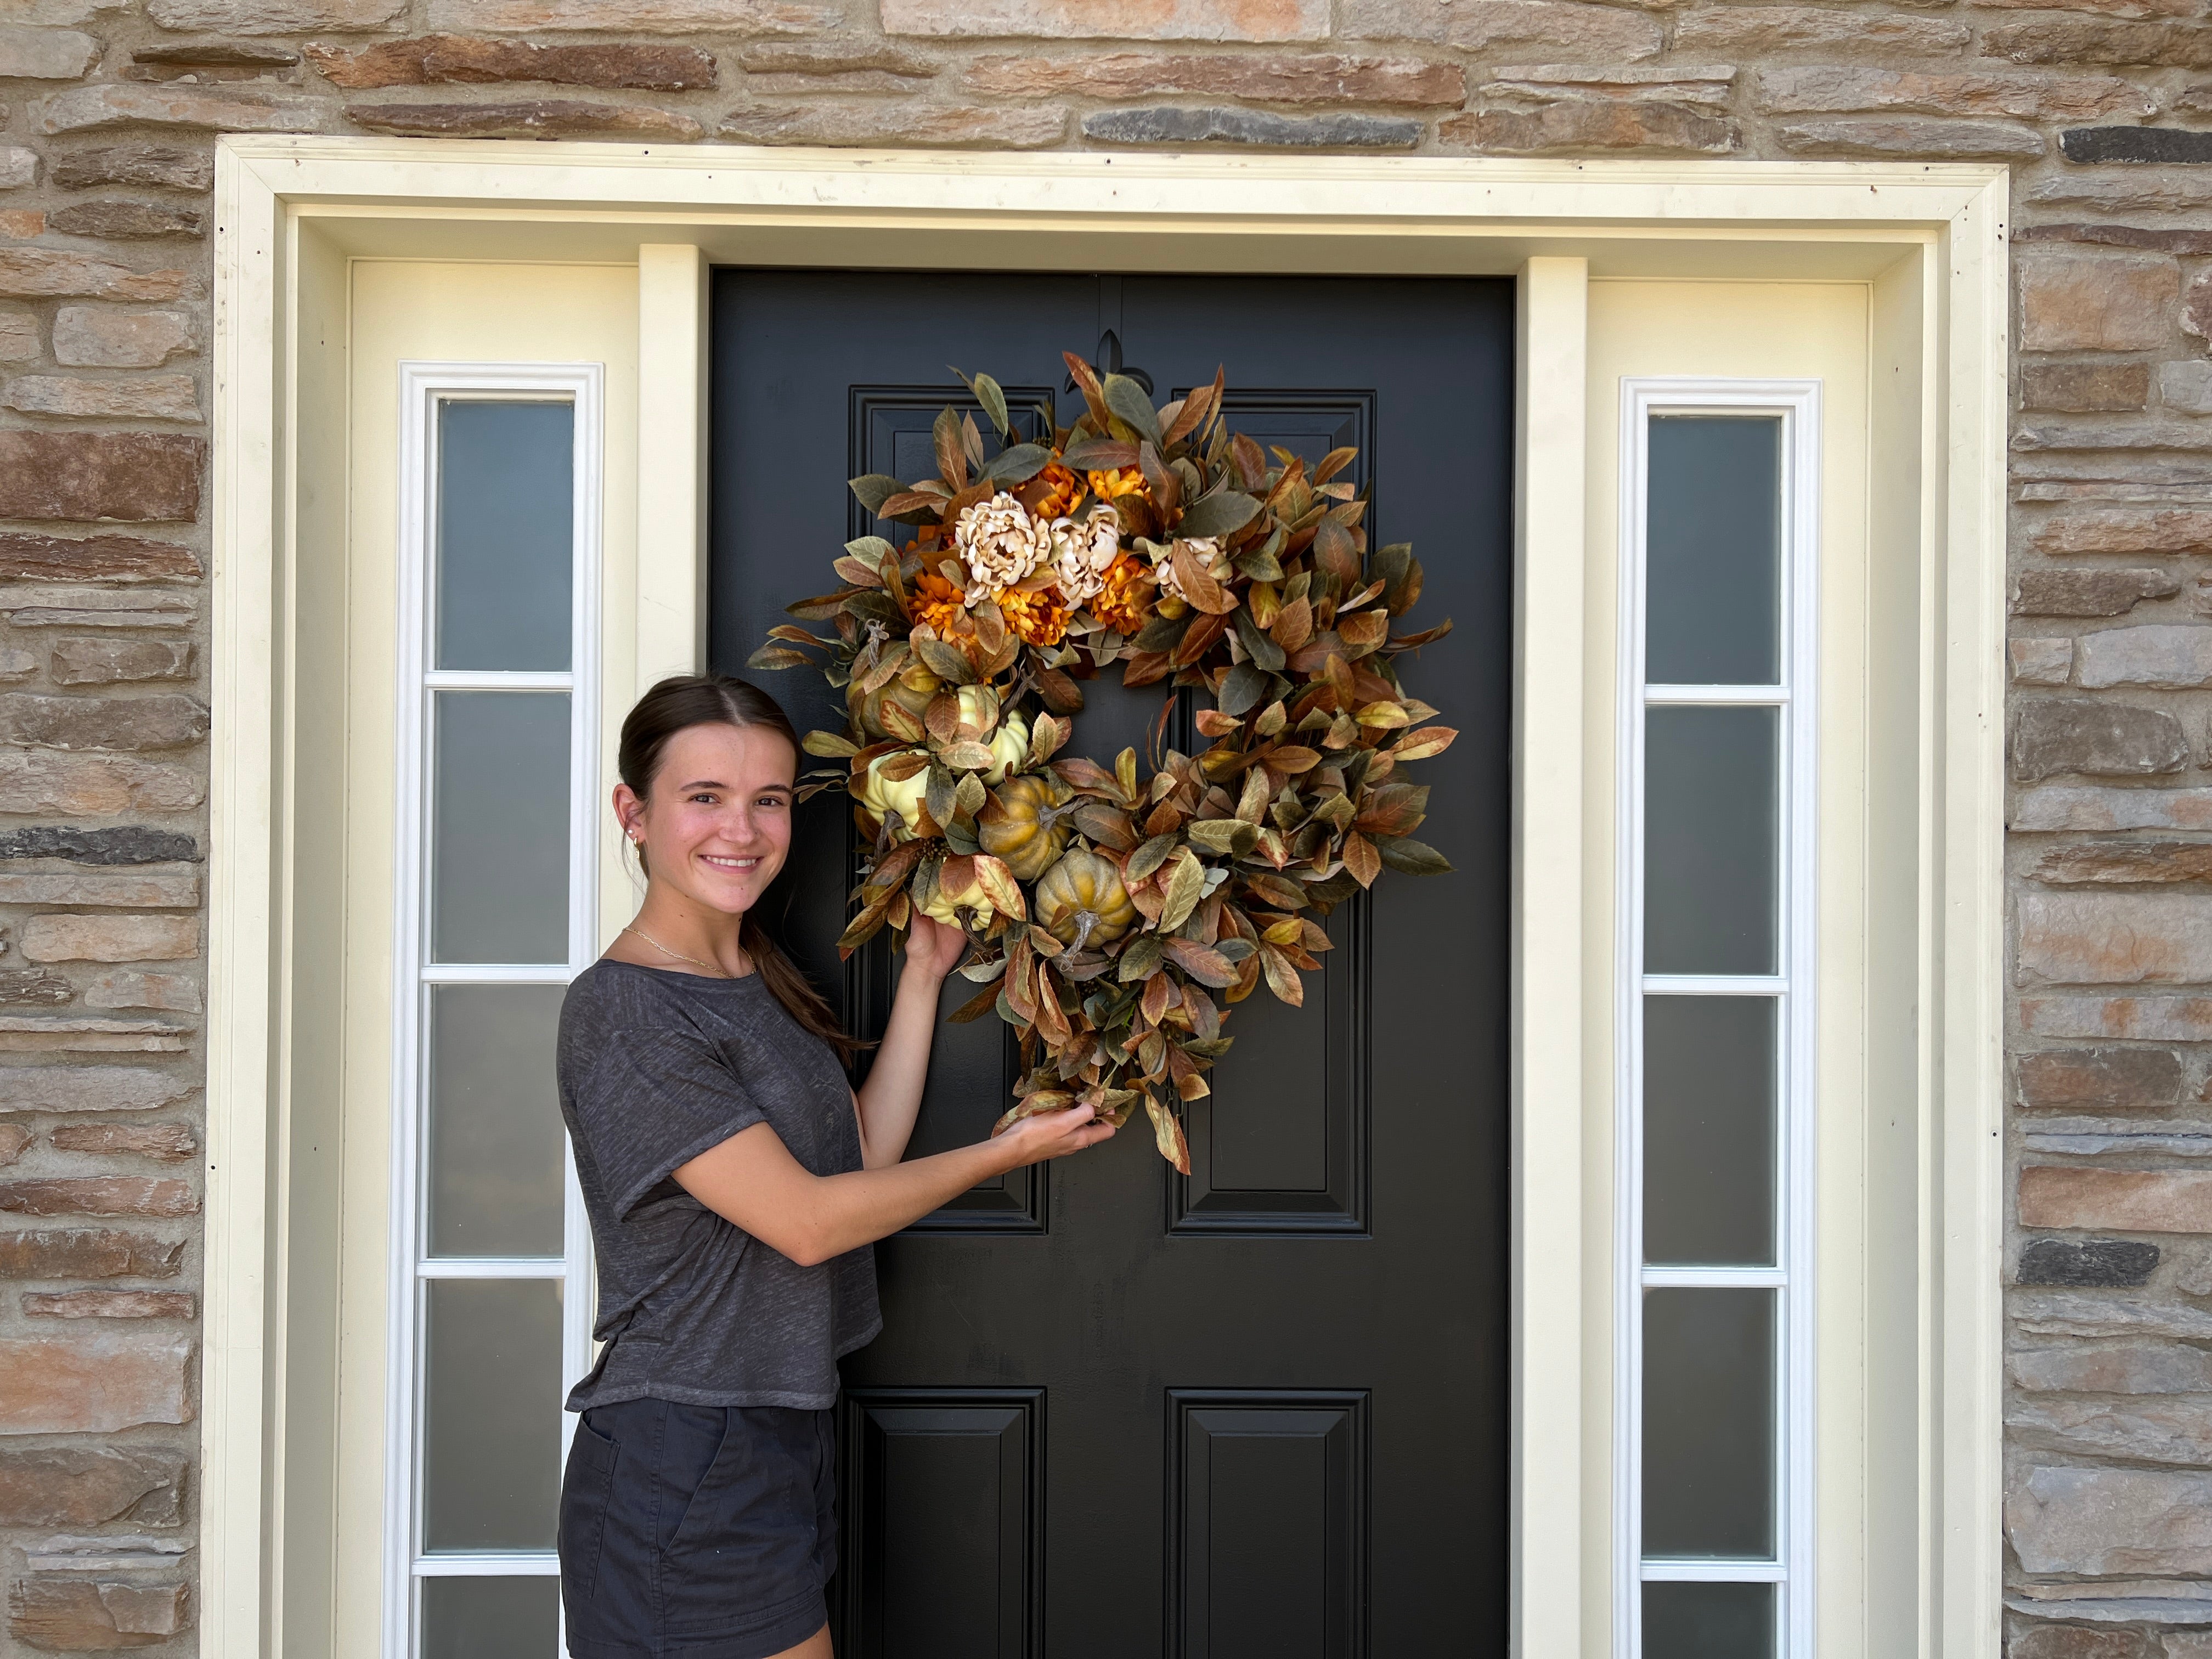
x: 1110, y: 362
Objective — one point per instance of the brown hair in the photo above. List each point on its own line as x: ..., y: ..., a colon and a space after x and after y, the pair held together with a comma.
x: 675, y: 705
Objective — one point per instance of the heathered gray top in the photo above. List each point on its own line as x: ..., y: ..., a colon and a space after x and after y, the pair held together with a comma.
x: 656, y: 1067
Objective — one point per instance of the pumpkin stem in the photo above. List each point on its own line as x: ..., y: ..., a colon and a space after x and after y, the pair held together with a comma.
x: 1084, y: 921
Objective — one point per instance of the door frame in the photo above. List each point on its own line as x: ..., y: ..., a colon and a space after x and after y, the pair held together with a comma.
x: 292, y: 213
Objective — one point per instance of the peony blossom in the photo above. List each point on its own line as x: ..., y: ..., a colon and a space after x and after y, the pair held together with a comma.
x: 1000, y: 542
x: 1083, y: 550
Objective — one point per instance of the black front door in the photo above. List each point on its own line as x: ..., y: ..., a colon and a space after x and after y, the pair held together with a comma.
x: 1258, y: 1412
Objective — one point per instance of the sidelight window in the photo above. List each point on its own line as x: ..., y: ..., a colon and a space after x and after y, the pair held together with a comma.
x: 490, y: 1294
x: 1714, y: 1374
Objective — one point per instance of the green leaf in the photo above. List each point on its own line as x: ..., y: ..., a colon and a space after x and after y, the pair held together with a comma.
x: 1245, y: 690
x: 777, y: 656
x: 869, y: 549
x: 1257, y: 646
x: 988, y: 394
x: 1141, y: 959
x: 1163, y: 633
x: 1098, y: 455
x: 874, y: 488
x: 1018, y: 464
x: 947, y: 662
x: 1148, y: 858
x: 1414, y: 857
x: 1129, y: 400
x: 1224, y: 838
x: 1186, y: 886
x: 1221, y: 514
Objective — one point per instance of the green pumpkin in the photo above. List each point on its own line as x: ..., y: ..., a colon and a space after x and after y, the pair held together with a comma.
x: 1080, y: 901
x: 911, y: 689
x: 1024, y: 827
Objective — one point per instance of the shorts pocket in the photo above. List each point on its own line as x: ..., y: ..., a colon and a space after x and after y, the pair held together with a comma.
x: 586, y: 1490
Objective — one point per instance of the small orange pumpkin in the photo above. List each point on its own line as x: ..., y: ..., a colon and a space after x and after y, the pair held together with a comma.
x: 1028, y: 827
x: 1080, y: 901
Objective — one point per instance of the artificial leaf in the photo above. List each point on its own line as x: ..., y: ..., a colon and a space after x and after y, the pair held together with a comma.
x: 1199, y: 588
x: 994, y: 400
x: 1167, y: 1133
x: 1127, y: 400
x: 1263, y: 651
x: 1207, y: 967
x: 1184, y: 887
x: 1361, y: 859
x: 1142, y: 958
x: 872, y: 490
x: 1060, y: 694
x: 1017, y: 465
x: 951, y: 453
x: 1414, y: 857
x: 975, y: 1007
x: 1224, y: 838
x: 1221, y: 514
x: 999, y: 886
x: 1282, y: 977
x: 1148, y: 858
x: 829, y: 746
x: 1098, y: 455
x: 1424, y: 742
x: 777, y: 656
x: 947, y: 662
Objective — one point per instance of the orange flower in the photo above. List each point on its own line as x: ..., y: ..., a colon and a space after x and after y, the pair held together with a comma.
x: 1037, y: 616
x: 1063, y: 490
x: 1126, y: 600
x: 939, y: 603
x: 1120, y: 480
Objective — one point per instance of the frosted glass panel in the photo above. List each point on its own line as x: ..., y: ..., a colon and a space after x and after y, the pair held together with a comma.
x: 1711, y: 816
x: 499, y: 841
x: 1709, y: 1131
x: 1709, y: 1422
x: 1713, y: 551
x: 496, y: 1138
x: 1708, y: 1621
x: 491, y: 1618
x: 506, y: 570
x: 491, y: 1411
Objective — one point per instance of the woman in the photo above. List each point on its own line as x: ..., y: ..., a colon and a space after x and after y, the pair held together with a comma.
x: 735, y: 1183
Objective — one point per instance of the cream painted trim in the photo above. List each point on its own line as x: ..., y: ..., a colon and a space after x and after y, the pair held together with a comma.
x: 1550, y: 368
x: 671, y: 462
x: 1414, y: 214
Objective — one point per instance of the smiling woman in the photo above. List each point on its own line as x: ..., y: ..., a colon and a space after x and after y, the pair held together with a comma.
x: 734, y: 1182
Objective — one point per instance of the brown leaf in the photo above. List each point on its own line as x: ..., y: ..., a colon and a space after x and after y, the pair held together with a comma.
x: 1050, y: 1019
x: 983, y: 1002
x: 1158, y: 989
x: 1086, y: 776
x: 1167, y: 1134
x: 1000, y: 887
x: 1201, y: 590
x: 1185, y: 886
x: 1282, y: 978
x: 1291, y: 758
x: 1293, y: 624
x: 942, y: 717
x: 1213, y: 723
x: 1207, y: 967
x: 967, y: 757
x: 1334, y: 463
x: 1361, y: 859
x: 1425, y: 741
x: 1061, y: 695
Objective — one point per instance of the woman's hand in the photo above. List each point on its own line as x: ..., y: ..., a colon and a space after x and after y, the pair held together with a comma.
x: 1052, y: 1134
x: 933, y: 947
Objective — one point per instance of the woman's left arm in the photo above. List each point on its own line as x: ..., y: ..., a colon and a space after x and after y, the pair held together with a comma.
x: 889, y: 1100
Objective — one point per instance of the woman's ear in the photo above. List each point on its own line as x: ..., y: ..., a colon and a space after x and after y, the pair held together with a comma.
x: 630, y: 812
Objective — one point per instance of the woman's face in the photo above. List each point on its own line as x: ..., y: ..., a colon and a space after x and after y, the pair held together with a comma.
x: 716, y: 824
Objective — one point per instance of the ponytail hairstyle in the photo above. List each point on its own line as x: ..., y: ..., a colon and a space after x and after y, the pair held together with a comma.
x: 675, y: 705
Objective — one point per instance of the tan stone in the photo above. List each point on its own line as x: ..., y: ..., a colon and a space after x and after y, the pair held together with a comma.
x: 1284, y: 78
x: 137, y: 163
x: 1552, y: 28
x: 1111, y: 19
x: 122, y: 988
x: 147, y: 398
x: 1815, y: 90
x: 2114, y: 938
x: 36, y: 557
x: 2099, y: 1080
x: 99, y: 337
x: 87, y: 786
x: 19, y: 335
x: 2074, y: 1641
x: 110, y: 661
x: 2174, y: 530
x: 2051, y: 735
x: 29, y: 54
x: 60, y: 938
x: 1672, y: 83
x: 2119, y: 1200
x: 2083, y: 302
x: 89, y: 1486
x: 88, y: 1253
x: 2127, y: 863
x: 1591, y: 123
x: 2094, y: 40
x: 21, y: 1034
x: 2085, y: 388
x: 1912, y: 137
x: 23, y: 223
x: 14, y: 1138
x: 142, y: 888
x: 2111, y: 1521
x: 72, y: 1615
x: 273, y: 16
x: 92, y: 1383
x: 850, y: 122
x: 441, y: 58
x: 2040, y: 661
x: 834, y: 56
x: 2131, y: 1368
x: 169, y: 1142
x: 99, y: 1195
x: 173, y: 103
x: 2088, y: 592
x: 531, y: 118
x: 34, y: 273
x: 111, y: 1305
x: 28, y: 987
x: 2196, y: 310
x: 2143, y: 1430
x: 2162, y: 1020
x: 128, y: 220
x: 133, y: 608
x: 1753, y: 29
x: 18, y: 166
x: 70, y: 1089
x: 634, y: 17
x: 163, y: 721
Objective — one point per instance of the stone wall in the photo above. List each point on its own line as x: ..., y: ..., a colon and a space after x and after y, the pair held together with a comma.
x: 108, y: 109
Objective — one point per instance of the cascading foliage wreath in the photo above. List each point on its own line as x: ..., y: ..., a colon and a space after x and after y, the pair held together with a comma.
x: 1108, y: 908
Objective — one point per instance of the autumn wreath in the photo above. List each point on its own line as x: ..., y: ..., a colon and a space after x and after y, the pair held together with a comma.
x: 1107, y: 907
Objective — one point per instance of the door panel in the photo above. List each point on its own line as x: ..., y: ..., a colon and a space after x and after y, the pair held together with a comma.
x: 1263, y: 1409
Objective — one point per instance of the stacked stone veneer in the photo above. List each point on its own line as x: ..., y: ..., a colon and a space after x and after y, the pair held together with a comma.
x: 107, y: 113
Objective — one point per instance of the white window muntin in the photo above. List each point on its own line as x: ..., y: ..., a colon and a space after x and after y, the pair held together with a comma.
x: 426, y: 388
x: 1797, y: 405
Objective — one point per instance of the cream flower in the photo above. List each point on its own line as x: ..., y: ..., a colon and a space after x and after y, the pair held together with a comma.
x: 1000, y: 542
x: 1205, y: 549
x: 1084, y: 550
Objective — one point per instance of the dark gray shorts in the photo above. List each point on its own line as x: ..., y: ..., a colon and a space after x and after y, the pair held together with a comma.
x: 697, y: 1532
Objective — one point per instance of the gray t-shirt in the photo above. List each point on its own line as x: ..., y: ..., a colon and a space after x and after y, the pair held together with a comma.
x: 655, y: 1068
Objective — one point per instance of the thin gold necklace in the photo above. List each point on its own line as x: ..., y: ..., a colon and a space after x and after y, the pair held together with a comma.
x: 714, y: 968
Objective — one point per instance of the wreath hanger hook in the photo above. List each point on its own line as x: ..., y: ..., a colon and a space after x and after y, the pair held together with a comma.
x: 1110, y: 362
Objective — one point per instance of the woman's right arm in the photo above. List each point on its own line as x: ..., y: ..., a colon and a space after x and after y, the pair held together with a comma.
x: 752, y: 1180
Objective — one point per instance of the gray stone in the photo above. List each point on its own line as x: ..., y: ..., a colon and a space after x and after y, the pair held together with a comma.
x: 2134, y: 1600
x: 1828, y: 90
x: 161, y: 721
x: 127, y: 221
x: 2185, y: 387
x: 634, y: 16
x: 1914, y: 136
x: 1750, y: 29
x: 18, y: 166
x: 110, y: 1553
x: 2095, y: 1261
x: 2091, y: 1137
x: 2158, y: 1019
x: 136, y: 888
x: 526, y: 118
x: 22, y: 987
x: 1170, y: 124
x: 2058, y: 735
x: 2134, y: 145
x: 2087, y: 40
x: 2111, y: 1520
x: 2094, y: 593
x: 89, y: 1089
x: 103, y: 336
x: 1104, y: 20
x: 147, y: 398
x: 2120, y: 1079
x: 19, y: 335
x: 173, y: 103
x: 2158, y: 654
x: 2066, y: 807
x: 2041, y: 661
x: 2127, y: 1367
x: 1552, y: 28
x: 2150, y: 1432
x: 2114, y: 938
x: 850, y: 121
x: 45, y: 54
x: 125, y: 844
x: 273, y: 16
x: 137, y: 163
x: 2080, y: 1313
x: 112, y: 661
